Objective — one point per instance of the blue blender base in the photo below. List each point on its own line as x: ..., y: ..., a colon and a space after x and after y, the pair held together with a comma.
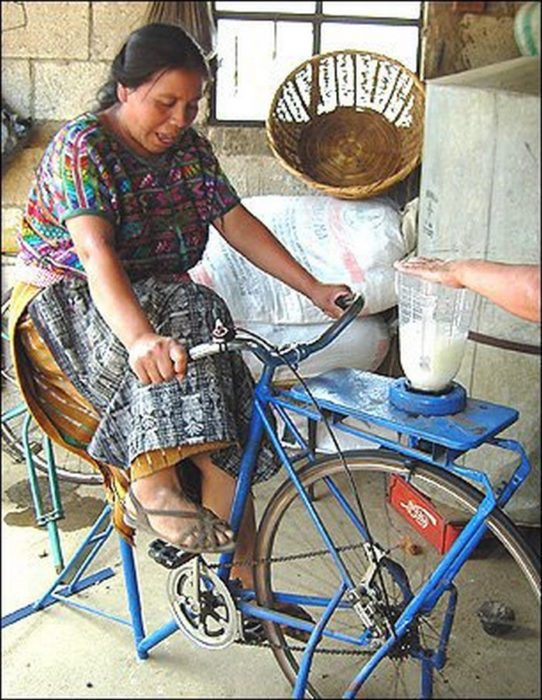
x: 426, y: 404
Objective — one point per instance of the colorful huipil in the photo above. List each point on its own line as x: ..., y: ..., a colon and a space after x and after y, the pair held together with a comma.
x: 160, y: 208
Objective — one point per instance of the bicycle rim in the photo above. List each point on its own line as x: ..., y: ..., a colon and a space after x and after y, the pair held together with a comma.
x: 487, y: 655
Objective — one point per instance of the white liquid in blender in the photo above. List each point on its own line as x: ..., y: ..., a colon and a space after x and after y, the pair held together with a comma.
x: 429, y: 357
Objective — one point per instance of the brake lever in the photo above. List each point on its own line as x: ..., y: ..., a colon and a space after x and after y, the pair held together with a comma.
x: 221, y: 332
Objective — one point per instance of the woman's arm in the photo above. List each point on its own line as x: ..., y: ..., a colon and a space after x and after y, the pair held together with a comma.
x: 515, y: 288
x: 153, y: 358
x: 250, y: 237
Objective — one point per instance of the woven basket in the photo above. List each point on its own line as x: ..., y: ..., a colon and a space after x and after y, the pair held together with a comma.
x: 348, y: 123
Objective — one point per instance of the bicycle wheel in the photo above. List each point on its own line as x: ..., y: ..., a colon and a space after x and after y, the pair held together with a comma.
x: 69, y: 466
x: 486, y: 656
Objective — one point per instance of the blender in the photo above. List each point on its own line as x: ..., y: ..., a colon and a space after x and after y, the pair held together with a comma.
x: 434, y: 323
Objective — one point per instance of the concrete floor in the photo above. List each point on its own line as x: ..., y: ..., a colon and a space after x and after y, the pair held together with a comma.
x: 63, y: 652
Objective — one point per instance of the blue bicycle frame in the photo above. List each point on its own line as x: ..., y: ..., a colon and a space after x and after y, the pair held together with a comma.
x: 338, y: 394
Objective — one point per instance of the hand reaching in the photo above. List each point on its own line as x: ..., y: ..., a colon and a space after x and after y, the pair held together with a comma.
x: 513, y: 287
x: 431, y: 269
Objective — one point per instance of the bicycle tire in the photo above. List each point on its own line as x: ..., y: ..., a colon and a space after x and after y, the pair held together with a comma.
x: 285, y: 525
x: 68, y: 465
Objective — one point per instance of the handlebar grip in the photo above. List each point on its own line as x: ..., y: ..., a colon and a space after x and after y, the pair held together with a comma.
x: 354, y: 307
x: 344, y: 301
x: 205, y: 350
x: 351, y: 304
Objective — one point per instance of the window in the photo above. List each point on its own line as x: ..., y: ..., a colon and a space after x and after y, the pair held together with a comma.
x: 259, y: 43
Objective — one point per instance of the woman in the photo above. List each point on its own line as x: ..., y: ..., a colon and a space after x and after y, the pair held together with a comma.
x: 104, y: 307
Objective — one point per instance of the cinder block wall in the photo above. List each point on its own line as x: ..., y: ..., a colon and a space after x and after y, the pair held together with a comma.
x: 55, y: 56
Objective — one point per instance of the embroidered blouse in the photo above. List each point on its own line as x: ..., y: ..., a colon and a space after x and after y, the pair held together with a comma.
x: 160, y: 208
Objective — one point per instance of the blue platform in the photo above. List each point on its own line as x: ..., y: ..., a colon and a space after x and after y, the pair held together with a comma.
x: 365, y: 396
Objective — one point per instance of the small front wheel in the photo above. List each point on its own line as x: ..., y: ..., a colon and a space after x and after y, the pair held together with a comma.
x: 463, y: 661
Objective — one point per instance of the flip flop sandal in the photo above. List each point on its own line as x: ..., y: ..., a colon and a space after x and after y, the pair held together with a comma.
x: 254, y: 631
x: 204, y: 530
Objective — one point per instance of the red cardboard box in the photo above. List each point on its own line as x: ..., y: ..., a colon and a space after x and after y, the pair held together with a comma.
x: 419, y: 511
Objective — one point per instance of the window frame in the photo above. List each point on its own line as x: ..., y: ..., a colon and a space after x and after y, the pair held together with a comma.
x: 316, y: 19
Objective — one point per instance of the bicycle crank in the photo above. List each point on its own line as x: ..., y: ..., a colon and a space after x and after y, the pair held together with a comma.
x: 203, y: 605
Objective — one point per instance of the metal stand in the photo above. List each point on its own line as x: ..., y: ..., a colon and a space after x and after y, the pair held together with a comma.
x: 56, y: 513
x: 72, y: 573
x: 69, y: 580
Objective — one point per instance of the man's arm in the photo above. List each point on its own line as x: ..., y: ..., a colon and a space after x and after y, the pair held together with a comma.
x: 515, y: 288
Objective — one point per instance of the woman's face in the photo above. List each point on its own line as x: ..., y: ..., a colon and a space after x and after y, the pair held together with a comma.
x: 152, y: 116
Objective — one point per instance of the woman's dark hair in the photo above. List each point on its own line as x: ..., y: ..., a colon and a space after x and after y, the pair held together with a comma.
x: 147, y: 50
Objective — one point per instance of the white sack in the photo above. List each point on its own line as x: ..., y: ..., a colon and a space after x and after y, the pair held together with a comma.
x: 362, y: 345
x: 341, y: 241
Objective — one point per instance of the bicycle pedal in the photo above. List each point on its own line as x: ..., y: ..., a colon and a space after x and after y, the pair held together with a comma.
x: 252, y: 630
x: 168, y: 555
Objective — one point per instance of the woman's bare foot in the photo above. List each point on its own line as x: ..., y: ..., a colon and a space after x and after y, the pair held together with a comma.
x: 161, y: 491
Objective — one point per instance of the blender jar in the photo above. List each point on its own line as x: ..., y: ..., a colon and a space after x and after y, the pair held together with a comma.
x: 434, y: 323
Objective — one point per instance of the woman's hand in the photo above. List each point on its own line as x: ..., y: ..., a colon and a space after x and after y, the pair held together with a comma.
x: 325, y: 296
x: 156, y: 358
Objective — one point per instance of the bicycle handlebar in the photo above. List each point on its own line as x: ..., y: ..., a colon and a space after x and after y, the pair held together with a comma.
x: 291, y: 354
x: 353, y: 307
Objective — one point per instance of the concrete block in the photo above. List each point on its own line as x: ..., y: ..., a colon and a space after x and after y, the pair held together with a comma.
x: 510, y: 378
x: 17, y: 85
x: 11, y: 220
x: 259, y: 175
x: 8, y: 272
x: 45, y: 29
x: 235, y: 140
x: 110, y: 25
x: 65, y: 89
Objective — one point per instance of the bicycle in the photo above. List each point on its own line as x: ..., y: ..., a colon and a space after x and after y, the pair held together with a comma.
x: 386, y: 592
x: 390, y: 614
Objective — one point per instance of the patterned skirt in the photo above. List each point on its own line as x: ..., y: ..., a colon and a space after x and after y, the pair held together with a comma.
x: 150, y: 426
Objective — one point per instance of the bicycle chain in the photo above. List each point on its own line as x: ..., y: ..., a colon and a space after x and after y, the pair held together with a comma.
x: 289, y: 557
x: 318, y: 650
